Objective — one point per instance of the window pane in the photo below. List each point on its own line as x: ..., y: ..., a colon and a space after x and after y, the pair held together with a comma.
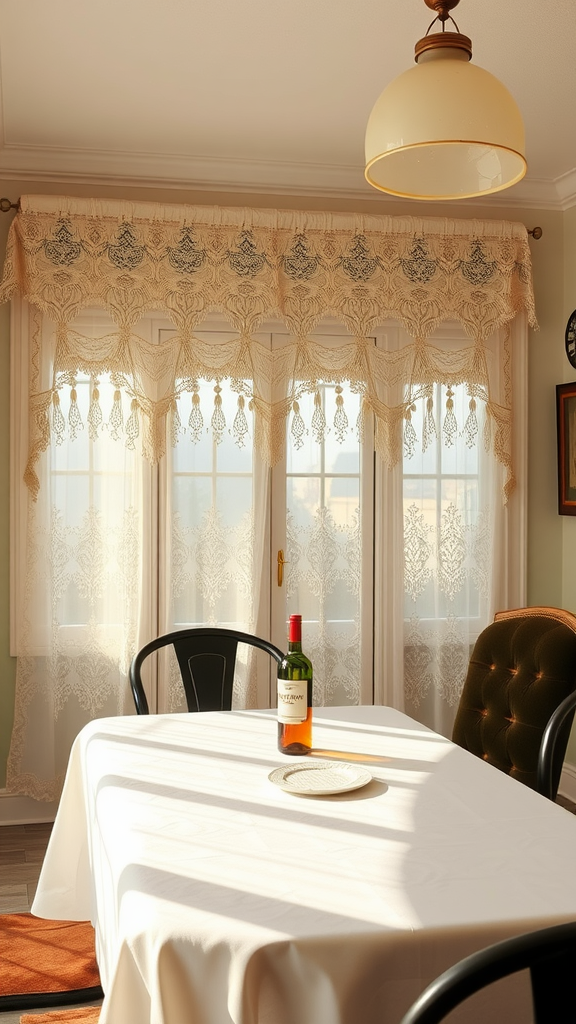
x: 343, y: 498
x: 303, y: 497
x: 193, y: 456
x: 233, y: 498
x: 191, y: 496
x: 323, y: 543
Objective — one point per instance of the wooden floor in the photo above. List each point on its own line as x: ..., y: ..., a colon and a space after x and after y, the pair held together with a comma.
x: 22, y: 849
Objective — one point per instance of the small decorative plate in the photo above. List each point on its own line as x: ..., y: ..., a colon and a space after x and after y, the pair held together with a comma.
x: 319, y: 778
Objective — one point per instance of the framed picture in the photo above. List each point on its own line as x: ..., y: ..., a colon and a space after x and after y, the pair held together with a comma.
x: 566, y: 423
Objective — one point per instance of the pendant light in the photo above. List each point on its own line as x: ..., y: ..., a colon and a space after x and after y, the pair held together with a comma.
x: 445, y: 129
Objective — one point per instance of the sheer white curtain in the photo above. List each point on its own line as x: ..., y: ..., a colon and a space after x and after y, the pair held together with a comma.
x: 463, y: 541
x: 114, y: 550
x: 78, y: 607
x: 213, y: 519
x: 328, y: 547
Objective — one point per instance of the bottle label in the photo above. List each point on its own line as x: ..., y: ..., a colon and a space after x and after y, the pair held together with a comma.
x: 292, y: 701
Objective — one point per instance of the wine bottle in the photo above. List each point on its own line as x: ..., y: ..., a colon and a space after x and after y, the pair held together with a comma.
x: 295, y: 695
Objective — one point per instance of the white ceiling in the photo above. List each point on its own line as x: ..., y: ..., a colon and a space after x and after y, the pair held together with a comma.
x: 258, y: 95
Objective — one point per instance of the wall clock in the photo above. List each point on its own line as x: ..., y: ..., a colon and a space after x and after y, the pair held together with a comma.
x: 570, y: 339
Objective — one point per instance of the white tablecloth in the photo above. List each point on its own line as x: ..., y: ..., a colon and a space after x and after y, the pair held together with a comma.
x: 218, y: 897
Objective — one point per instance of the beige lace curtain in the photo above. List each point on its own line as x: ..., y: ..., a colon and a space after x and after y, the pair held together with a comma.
x: 68, y: 255
x: 117, y: 355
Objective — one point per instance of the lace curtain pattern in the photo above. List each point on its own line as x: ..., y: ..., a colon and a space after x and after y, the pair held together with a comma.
x: 320, y: 558
x: 103, y: 405
x: 66, y: 255
x: 450, y: 557
x: 464, y: 549
x: 79, y: 610
x: 91, y: 545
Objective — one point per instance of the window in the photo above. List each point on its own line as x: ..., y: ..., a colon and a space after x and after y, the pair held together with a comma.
x: 392, y: 569
x: 323, y: 520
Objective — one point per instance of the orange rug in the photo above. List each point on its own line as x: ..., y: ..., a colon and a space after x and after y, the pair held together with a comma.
x: 82, y: 1015
x: 46, y: 956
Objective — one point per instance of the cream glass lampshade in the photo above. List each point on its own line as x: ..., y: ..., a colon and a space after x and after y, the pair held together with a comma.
x: 445, y: 129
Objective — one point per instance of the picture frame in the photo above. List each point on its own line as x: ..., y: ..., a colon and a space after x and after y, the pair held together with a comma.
x: 566, y: 430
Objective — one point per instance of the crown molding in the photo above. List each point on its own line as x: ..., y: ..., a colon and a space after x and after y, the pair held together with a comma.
x: 177, y: 172
x: 173, y: 171
x: 566, y: 189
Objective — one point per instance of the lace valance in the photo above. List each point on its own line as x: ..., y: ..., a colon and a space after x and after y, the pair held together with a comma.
x: 66, y: 256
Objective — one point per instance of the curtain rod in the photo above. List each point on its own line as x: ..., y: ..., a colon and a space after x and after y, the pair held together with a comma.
x: 6, y: 205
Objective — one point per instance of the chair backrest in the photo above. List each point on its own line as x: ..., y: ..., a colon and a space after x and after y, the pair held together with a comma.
x: 520, y: 690
x: 550, y: 954
x: 207, y: 658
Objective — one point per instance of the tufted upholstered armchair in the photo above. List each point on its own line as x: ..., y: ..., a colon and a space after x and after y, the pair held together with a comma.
x: 518, y: 701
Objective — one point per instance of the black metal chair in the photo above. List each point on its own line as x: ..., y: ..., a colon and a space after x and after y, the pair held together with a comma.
x: 518, y: 701
x: 549, y: 954
x: 207, y: 658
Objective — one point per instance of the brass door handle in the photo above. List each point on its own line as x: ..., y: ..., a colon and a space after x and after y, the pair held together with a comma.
x: 281, y: 563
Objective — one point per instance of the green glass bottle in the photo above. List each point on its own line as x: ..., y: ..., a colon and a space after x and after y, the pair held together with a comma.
x: 295, y: 695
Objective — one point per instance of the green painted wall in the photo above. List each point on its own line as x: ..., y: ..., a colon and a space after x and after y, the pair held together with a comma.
x: 7, y: 664
x: 569, y: 374
x: 544, y: 371
x: 551, y: 575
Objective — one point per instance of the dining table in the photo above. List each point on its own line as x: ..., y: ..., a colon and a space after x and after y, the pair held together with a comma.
x: 220, y: 895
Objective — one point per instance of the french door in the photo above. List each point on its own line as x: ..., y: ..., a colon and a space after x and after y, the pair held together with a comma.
x: 321, y: 552
x: 211, y: 535
x: 243, y: 546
